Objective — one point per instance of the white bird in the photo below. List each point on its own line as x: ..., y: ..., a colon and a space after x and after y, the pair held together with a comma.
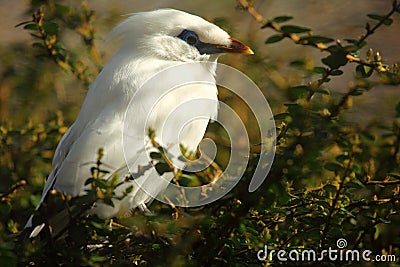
x: 151, y: 42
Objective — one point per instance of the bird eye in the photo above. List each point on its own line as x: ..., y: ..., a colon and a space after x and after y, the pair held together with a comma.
x: 191, y: 40
x: 190, y: 37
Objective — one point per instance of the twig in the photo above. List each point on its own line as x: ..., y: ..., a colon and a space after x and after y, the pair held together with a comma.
x: 370, y: 31
x: 382, y: 182
x: 3, y: 197
x: 275, y: 26
x: 257, y: 16
x: 337, y: 108
x: 372, y: 203
x: 327, y: 225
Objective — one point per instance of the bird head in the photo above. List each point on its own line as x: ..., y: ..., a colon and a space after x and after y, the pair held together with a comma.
x: 175, y: 35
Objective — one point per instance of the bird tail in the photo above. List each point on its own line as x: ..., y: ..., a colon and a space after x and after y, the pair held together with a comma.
x: 54, y: 215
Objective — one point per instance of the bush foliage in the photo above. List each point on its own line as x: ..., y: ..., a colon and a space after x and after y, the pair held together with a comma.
x: 332, y: 178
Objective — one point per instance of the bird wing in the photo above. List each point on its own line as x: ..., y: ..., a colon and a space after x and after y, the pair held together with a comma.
x: 101, y: 122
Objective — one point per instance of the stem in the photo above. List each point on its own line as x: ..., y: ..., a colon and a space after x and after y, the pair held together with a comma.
x: 13, y: 188
x: 395, y: 7
x: 378, y: 202
x: 334, y: 202
x: 273, y: 25
x: 336, y: 109
x: 382, y: 182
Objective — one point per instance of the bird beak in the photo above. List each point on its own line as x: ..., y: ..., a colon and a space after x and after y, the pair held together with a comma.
x: 234, y: 47
x: 238, y: 47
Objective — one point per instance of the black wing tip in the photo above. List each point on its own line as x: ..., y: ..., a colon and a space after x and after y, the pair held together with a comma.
x: 30, y: 233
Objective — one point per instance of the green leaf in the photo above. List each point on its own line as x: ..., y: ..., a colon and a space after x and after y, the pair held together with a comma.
x: 162, y: 168
x: 342, y: 157
x: 189, y: 180
x: 386, y: 21
x: 31, y: 27
x: 294, y: 109
x: 35, y: 35
x: 335, y: 60
x: 317, y: 39
x: 330, y: 188
x: 104, y: 171
x: 155, y: 246
x: 324, y: 91
x: 364, y: 71
x: 274, y: 38
x: 319, y: 70
x: 108, y: 202
x: 357, y: 92
x: 281, y: 19
x: 101, y: 183
x: 357, y: 168
x: 39, y: 45
x: 50, y: 27
x: 281, y: 116
x: 155, y: 155
x: 298, y: 92
x: 128, y: 190
x: 383, y: 220
x: 336, y: 72
x: 297, y: 63
x: 89, y: 181
x: 62, y: 8
x: 294, y: 29
x: 333, y: 166
x: 355, y: 49
x: 394, y: 175
x: 326, y: 80
x: 97, y: 258
x: 376, y: 17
